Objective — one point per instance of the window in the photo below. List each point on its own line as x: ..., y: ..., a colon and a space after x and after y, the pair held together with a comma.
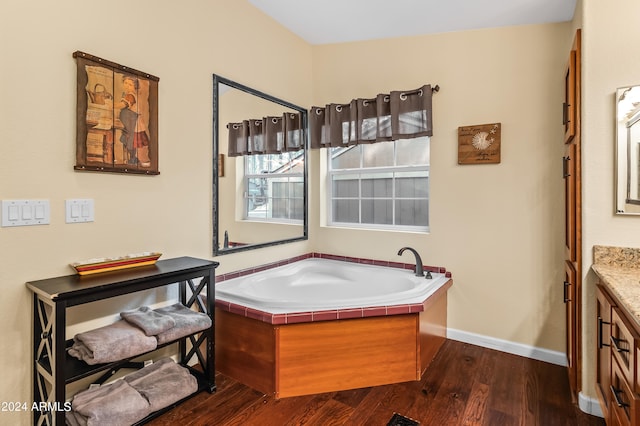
x: 274, y: 187
x: 383, y: 185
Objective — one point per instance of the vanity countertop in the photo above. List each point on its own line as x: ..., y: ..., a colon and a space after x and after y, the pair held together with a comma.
x: 619, y: 270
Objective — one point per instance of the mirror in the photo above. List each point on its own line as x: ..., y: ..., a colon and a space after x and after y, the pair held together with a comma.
x: 628, y: 150
x: 259, y: 200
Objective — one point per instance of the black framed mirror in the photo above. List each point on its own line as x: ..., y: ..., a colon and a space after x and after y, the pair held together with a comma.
x: 260, y: 194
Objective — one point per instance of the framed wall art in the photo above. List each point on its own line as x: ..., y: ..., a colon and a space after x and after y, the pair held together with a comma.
x: 479, y: 144
x: 116, y: 117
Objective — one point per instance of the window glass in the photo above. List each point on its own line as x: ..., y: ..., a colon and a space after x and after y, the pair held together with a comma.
x: 412, y: 151
x: 378, y: 154
x: 382, y: 185
x: 274, y: 187
x: 345, y: 158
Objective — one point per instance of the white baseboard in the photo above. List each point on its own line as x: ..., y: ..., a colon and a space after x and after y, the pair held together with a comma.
x: 587, y: 404
x: 546, y: 355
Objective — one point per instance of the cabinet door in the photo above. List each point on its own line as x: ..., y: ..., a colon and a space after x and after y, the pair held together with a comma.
x: 569, y: 296
x: 624, y: 403
x: 569, y: 173
x: 569, y: 105
x: 623, y: 344
x: 603, y: 352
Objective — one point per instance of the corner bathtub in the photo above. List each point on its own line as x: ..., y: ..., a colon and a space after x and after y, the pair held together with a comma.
x: 321, y: 325
x: 313, y: 285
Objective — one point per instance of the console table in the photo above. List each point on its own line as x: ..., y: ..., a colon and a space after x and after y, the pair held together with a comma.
x: 53, y: 369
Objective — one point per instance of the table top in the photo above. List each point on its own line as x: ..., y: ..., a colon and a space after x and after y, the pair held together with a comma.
x: 119, y: 282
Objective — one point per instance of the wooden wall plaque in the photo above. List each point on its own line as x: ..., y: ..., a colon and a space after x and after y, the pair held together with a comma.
x: 479, y: 144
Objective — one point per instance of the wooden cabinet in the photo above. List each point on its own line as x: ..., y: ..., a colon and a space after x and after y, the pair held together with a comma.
x: 54, y: 369
x: 618, y: 346
x: 570, y: 301
x: 623, y: 340
x: 571, y: 165
x: 624, y: 402
x: 604, y: 306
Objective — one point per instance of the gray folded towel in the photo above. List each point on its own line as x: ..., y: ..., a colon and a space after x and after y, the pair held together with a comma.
x: 115, y: 404
x: 73, y: 418
x: 111, y: 343
x: 187, y: 322
x: 163, y: 383
x: 149, y: 321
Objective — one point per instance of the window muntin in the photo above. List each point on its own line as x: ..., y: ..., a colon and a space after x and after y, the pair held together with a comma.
x: 382, y: 186
x: 274, y: 187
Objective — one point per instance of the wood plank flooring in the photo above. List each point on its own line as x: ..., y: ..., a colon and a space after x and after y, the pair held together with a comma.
x: 464, y: 385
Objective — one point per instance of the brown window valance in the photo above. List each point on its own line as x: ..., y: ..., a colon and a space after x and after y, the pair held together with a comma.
x: 267, y: 135
x: 396, y: 115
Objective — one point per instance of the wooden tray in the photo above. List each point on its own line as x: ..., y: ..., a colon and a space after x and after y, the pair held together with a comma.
x: 95, y: 266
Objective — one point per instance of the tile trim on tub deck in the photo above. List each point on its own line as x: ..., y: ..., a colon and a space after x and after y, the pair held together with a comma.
x: 327, y: 315
x: 316, y: 316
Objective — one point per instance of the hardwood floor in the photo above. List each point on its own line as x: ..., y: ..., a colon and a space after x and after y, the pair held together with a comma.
x: 464, y: 385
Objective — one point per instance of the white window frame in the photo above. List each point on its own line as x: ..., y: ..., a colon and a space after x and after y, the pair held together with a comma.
x: 373, y: 170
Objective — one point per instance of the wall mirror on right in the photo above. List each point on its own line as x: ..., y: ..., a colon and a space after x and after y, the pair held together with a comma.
x: 628, y: 150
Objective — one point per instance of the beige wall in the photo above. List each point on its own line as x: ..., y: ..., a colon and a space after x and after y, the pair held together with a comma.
x: 182, y: 44
x: 498, y: 228
x: 610, y: 60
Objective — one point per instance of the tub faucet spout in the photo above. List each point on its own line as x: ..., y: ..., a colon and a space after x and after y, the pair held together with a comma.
x: 419, y: 272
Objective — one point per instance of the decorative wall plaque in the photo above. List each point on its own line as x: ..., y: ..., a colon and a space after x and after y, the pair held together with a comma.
x: 479, y: 144
x: 116, y: 117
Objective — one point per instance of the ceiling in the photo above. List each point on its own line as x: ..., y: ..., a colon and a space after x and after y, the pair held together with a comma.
x: 338, y: 21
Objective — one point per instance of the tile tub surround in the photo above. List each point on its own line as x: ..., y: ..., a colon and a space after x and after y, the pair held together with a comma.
x: 330, y: 315
x: 619, y: 270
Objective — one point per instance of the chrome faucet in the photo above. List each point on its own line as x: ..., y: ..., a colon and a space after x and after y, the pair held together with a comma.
x: 419, y: 272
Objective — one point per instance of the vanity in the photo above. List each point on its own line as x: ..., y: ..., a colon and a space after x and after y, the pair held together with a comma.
x: 618, y: 333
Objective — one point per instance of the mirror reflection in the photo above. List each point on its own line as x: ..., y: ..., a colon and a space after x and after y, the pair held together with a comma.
x: 259, y: 188
x: 628, y: 150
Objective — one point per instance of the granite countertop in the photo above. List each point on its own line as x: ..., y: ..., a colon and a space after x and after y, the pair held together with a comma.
x: 619, y: 270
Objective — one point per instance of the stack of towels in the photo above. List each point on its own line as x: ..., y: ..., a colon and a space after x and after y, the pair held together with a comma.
x: 139, y: 331
x: 133, y: 397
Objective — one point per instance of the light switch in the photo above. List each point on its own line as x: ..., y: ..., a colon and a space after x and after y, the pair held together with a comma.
x: 25, y: 212
x: 39, y: 212
x: 79, y: 210
x: 13, y: 212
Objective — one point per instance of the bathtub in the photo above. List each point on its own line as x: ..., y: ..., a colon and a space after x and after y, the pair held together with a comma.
x: 321, y: 325
x: 324, y: 284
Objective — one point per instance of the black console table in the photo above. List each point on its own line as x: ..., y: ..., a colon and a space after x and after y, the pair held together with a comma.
x: 53, y: 369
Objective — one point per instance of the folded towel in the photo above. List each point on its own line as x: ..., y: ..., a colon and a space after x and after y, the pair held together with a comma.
x: 187, y: 322
x: 163, y: 383
x: 111, y: 405
x: 151, y: 322
x: 111, y: 343
x: 73, y: 418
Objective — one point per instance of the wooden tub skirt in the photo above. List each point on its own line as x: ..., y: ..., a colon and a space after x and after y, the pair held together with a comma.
x: 326, y: 356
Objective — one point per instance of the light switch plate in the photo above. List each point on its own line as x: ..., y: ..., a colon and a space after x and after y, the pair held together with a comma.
x: 25, y: 212
x: 79, y: 210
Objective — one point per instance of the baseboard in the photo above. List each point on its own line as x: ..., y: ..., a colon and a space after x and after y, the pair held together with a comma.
x: 546, y: 355
x: 589, y: 405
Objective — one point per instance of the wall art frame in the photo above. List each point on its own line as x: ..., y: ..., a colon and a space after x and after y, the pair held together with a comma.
x: 116, y: 117
x: 479, y: 144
